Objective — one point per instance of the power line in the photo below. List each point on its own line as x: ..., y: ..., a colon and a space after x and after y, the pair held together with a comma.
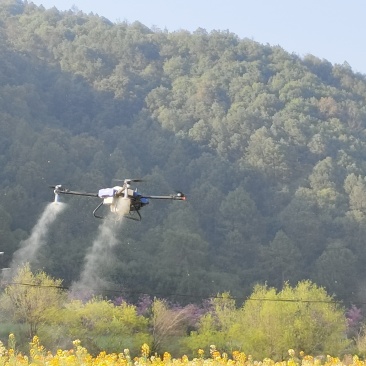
x: 6, y: 284
x: 119, y: 291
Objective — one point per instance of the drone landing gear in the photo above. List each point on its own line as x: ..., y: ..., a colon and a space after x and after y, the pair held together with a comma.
x: 134, y: 218
x: 94, y: 212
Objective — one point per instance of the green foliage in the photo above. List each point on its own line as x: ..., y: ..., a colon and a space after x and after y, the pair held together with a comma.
x: 217, y: 327
x: 32, y: 298
x: 303, y: 318
x: 336, y: 268
x: 101, y: 325
x: 281, y: 257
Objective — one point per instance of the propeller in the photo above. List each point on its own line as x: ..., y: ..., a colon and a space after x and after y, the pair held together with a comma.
x: 134, y: 180
x: 129, y: 180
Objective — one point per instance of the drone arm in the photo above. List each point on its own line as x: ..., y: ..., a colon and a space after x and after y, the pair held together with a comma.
x: 59, y: 189
x: 79, y: 193
x: 169, y: 197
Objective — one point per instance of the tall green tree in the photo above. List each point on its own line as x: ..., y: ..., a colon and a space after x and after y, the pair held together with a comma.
x: 303, y: 317
x: 336, y: 270
x: 266, y: 155
x: 31, y: 296
x: 241, y: 231
x: 281, y: 261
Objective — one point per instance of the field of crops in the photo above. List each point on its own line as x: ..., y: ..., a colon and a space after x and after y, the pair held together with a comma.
x: 79, y: 356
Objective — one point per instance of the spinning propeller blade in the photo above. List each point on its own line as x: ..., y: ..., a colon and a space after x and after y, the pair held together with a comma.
x: 128, y: 181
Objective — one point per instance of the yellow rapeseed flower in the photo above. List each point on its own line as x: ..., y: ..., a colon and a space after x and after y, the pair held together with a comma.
x: 76, y: 342
x: 11, y: 341
x: 291, y: 352
x: 216, y: 355
x: 239, y: 356
x: 291, y: 362
x: 3, y: 350
x: 79, y: 356
x: 167, y: 356
x: 268, y: 362
x: 145, y: 350
x: 185, y: 359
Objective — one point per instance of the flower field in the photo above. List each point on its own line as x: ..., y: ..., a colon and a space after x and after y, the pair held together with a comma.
x: 79, y: 356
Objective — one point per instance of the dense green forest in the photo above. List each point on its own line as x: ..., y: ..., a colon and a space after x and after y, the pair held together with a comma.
x: 269, y: 148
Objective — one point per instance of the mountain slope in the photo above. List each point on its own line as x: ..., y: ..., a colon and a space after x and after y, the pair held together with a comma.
x: 269, y: 147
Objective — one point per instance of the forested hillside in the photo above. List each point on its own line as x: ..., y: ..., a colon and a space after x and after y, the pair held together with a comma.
x: 269, y: 148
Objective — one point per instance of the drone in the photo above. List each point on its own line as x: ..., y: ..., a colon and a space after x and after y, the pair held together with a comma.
x: 122, y: 200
